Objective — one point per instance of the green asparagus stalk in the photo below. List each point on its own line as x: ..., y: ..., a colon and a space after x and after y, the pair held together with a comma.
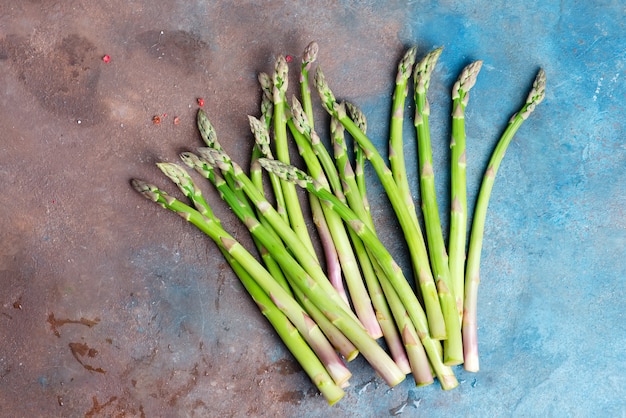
x: 412, y: 233
x: 308, y: 58
x: 359, y: 119
x: 333, y: 266
x: 356, y: 287
x: 453, y: 345
x: 260, y: 130
x: 262, y: 234
x: 292, y: 203
x: 458, y: 183
x: 369, y: 266
x: 267, y: 104
x: 388, y: 265
x: 282, y: 300
x: 396, y: 143
x: 472, y: 270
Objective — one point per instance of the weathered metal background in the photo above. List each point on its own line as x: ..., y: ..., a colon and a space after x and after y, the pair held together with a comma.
x: 111, y: 306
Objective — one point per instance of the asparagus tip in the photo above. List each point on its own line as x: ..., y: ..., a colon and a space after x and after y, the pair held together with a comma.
x: 310, y: 55
x: 536, y: 95
x: 424, y: 69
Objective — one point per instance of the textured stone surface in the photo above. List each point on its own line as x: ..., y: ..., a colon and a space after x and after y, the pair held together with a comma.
x: 111, y: 306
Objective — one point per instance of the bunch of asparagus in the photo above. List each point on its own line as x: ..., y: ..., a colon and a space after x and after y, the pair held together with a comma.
x: 426, y: 328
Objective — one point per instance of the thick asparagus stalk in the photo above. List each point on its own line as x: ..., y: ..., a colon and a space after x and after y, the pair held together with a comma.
x: 412, y: 232
x: 453, y: 345
x: 472, y: 270
x: 388, y: 265
x: 307, y: 328
x: 458, y: 183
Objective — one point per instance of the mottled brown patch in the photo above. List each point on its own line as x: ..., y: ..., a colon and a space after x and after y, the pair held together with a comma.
x: 55, y: 324
x: 80, y: 350
x: 63, y: 76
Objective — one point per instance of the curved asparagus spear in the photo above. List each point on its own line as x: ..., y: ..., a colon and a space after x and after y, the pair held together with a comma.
x: 472, y: 270
x: 283, y: 301
x: 385, y: 260
x: 453, y: 345
x: 412, y: 233
x: 458, y: 183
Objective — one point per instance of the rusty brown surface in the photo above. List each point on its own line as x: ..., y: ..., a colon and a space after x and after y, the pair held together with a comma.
x: 111, y: 306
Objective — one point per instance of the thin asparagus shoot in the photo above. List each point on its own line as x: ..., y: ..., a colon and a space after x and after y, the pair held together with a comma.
x: 308, y: 58
x: 472, y: 270
x: 359, y: 119
x: 292, y: 203
x: 453, y: 345
x: 396, y: 143
x: 388, y: 265
x: 458, y: 183
x: 412, y: 232
x: 307, y: 328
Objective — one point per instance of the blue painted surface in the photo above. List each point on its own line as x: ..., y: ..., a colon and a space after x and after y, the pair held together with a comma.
x: 551, y: 313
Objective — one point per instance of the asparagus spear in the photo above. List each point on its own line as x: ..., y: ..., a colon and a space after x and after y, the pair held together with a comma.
x: 369, y: 266
x: 412, y: 233
x: 453, y: 345
x: 360, y: 121
x: 472, y: 270
x: 396, y: 145
x: 294, y: 211
x: 302, y: 134
x: 458, y: 183
x: 262, y: 234
x: 385, y: 260
x: 262, y: 139
x: 283, y: 301
x: 308, y: 58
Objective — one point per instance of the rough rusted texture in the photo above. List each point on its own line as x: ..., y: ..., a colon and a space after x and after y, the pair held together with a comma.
x: 112, y: 306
